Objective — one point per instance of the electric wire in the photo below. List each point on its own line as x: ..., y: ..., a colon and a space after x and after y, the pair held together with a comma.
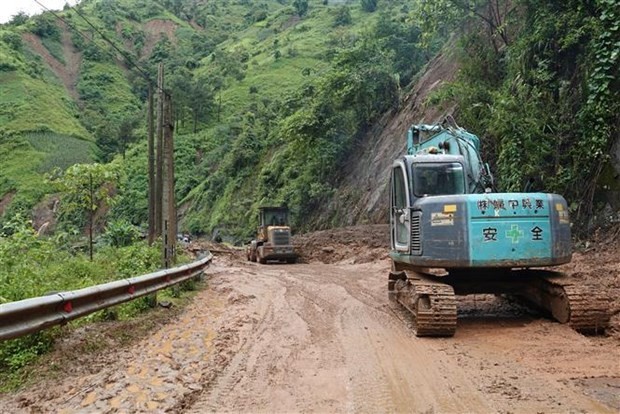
x: 123, y: 53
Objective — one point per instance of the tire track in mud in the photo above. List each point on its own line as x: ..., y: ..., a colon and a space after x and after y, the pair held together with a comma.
x: 232, y: 372
x: 317, y: 352
x: 377, y: 350
x: 532, y: 365
x: 365, y: 388
x: 293, y: 338
x: 386, y: 369
x: 356, y: 343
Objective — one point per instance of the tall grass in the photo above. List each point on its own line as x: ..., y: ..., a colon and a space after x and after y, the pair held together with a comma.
x: 30, y: 104
x: 55, y: 48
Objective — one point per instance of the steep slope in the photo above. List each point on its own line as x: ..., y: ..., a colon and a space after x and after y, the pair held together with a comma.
x: 67, y: 70
x: 296, y: 94
x: 362, y: 196
x: 273, y: 104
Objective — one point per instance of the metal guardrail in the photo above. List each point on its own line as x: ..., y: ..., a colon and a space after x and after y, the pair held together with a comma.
x: 35, y: 314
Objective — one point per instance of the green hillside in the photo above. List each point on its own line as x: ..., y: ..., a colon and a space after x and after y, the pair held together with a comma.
x: 271, y: 97
x: 237, y: 71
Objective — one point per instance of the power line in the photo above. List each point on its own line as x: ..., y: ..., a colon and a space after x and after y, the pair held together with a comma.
x: 123, y: 53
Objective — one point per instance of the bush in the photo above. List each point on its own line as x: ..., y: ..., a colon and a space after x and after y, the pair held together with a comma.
x: 342, y: 17
x: 13, y: 40
x: 45, y: 26
x: 17, y: 353
x: 121, y: 233
x: 369, y: 5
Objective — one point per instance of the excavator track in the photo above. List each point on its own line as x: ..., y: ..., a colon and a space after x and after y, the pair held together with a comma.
x: 583, y: 308
x: 432, y: 299
x: 433, y: 304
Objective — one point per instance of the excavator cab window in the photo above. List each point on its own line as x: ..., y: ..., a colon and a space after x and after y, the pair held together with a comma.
x: 438, y: 179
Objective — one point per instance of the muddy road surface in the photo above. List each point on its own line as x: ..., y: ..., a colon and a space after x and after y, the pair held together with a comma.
x: 321, y: 336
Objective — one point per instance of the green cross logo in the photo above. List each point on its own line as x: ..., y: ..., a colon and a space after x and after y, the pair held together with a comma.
x: 514, y: 233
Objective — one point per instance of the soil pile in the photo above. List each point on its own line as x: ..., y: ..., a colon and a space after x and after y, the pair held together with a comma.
x: 356, y: 244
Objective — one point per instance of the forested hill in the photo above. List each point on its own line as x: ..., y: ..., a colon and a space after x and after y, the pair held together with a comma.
x: 301, y: 102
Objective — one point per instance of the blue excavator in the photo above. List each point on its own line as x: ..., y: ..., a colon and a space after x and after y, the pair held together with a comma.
x: 452, y: 234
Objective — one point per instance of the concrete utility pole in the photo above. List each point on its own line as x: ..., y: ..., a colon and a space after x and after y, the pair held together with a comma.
x: 91, y: 215
x: 159, y: 161
x: 169, y: 211
x: 151, y: 151
x: 162, y: 203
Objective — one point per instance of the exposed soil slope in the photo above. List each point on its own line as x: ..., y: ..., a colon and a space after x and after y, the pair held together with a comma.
x: 155, y: 30
x: 68, y: 71
x: 362, y: 196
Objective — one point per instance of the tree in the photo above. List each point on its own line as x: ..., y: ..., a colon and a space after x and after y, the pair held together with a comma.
x: 179, y: 82
x: 369, y: 5
x: 444, y: 15
x: 403, y: 43
x: 126, y: 134
x: 45, y: 27
x: 342, y: 17
x: 363, y: 82
x: 161, y: 51
x: 200, y: 101
x: 18, y: 19
x: 13, y: 40
x: 301, y: 7
x: 227, y: 64
x: 85, y: 189
x: 113, y: 136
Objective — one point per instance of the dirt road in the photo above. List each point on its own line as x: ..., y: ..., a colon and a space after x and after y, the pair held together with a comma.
x: 319, y: 337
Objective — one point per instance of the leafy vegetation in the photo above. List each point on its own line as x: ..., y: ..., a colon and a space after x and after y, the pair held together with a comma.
x: 86, y: 189
x: 53, y: 147
x: 537, y: 82
x: 34, y: 266
x: 271, y: 96
x: 291, y: 138
x: 281, y: 91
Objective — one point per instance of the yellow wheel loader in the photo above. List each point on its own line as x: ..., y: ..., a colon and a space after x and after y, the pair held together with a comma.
x: 273, y: 240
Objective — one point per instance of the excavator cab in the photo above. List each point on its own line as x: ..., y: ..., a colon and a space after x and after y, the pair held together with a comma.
x: 415, y: 178
x: 438, y: 178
